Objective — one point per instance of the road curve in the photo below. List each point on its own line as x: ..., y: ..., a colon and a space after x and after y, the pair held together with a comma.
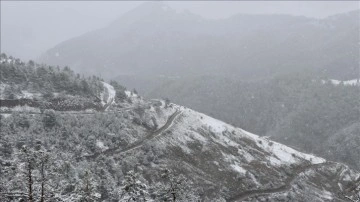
x: 140, y: 142
x: 287, y: 186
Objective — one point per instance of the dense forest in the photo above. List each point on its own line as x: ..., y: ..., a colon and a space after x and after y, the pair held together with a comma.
x: 44, y: 156
x: 36, y: 77
x: 49, y: 87
x: 49, y: 149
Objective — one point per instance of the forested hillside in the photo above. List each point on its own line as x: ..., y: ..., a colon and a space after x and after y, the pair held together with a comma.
x: 48, y: 87
x: 295, y: 109
x: 135, y: 149
x: 156, y: 152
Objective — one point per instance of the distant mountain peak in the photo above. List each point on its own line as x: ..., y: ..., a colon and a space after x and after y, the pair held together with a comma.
x: 154, y: 12
x: 154, y: 6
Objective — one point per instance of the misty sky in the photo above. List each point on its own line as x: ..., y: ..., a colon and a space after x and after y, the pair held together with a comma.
x: 30, y: 28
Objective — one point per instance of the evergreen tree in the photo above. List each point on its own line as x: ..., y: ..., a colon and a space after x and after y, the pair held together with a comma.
x: 133, y: 189
x: 87, y: 189
x: 29, y: 159
x: 49, y: 118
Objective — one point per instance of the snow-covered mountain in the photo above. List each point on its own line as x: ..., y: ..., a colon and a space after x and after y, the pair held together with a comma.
x: 219, y: 161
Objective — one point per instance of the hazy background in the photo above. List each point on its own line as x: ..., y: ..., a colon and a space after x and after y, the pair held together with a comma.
x: 240, y: 62
x: 28, y: 29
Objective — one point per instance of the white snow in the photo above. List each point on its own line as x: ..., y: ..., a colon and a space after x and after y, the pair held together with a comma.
x: 5, y: 115
x: 2, y: 89
x: 248, y: 157
x: 238, y: 168
x: 283, y: 154
x: 288, y: 155
x: 109, y: 96
x: 130, y: 94
x: 193, y: 121
x: 216, y: 125
x: 353, y: 82
x: 97, y: 195
x: 27, y: 94
x: 347, y: 177
x: 101, y: 145
x: 253, y: 178
x: 326, y: 195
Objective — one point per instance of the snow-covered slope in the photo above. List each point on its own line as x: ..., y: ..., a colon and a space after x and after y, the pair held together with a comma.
x: 222, y: 162
x: 250, y: 167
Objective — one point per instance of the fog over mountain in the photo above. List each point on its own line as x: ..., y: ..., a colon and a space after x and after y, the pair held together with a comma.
x: 24, y: 36
x: 263, y: 66
x: 154, y: 40
x: 180, y: 101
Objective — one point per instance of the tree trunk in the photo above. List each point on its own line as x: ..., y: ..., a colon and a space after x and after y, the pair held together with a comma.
x: 42, y: 198
x: 30, y: 182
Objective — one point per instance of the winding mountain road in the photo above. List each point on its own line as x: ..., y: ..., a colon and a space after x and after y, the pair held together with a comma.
x: 140, y: 142
x: 287, y: 185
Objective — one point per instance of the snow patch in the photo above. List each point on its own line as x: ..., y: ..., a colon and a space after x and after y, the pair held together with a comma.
x: 353, y: 82
x: 101, y: 145
x: 283, y: 154
x: 287, y: 155
x: 326, y: 194
x: 108, y: 97
x: 238, y: 168
x: 193, y: 122
x: 216, y: 125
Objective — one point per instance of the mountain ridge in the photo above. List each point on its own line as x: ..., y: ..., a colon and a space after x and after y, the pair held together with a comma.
x: 171, y: 43
x: 221, y: 162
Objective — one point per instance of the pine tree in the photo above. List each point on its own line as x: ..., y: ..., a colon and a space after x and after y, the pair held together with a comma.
x: 87, y: 189
x: 49, y: 118
x: 133, y: 189
x: 29, y: 159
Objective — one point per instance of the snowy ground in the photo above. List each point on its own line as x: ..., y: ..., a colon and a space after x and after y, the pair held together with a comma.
x: 108, y: 96
x: 353, y: 82
x: 228, y: 135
